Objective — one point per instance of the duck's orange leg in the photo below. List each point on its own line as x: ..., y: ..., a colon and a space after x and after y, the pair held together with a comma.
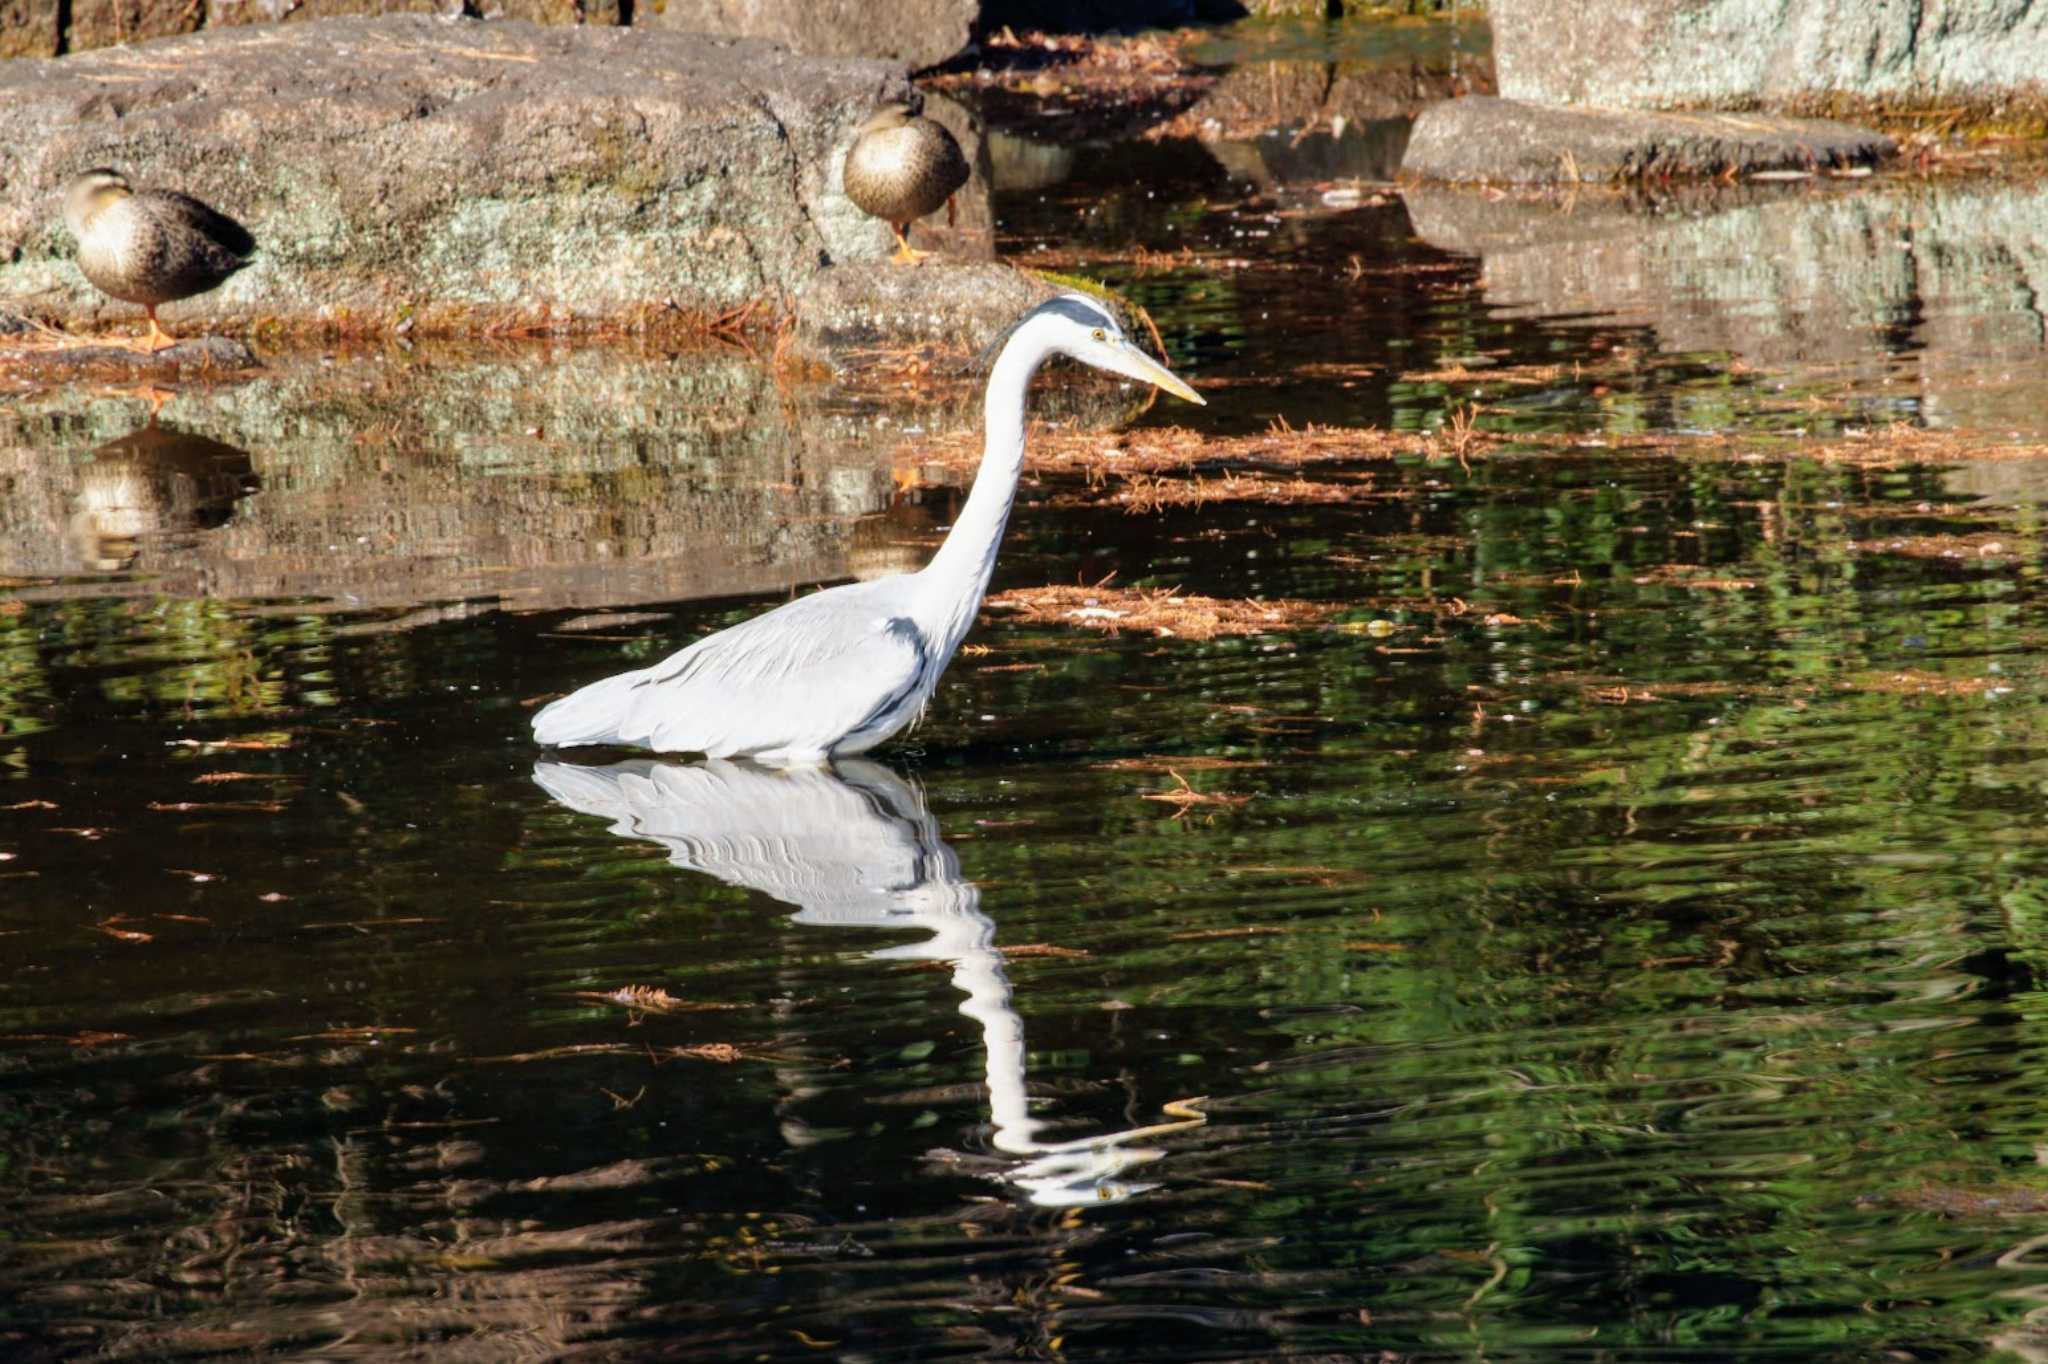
x: 158, y: 338
x: 906, y: 254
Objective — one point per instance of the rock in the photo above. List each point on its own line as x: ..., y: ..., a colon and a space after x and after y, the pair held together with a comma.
x: 916, y: 33
x: 28, y: 28
x: 599, y: 12
x: 91, y: 24
x: 1511, y: 142
x: 1781, y: 53
x: 224, y: 13
x: 230, y: 13
x: 103, y: 23
x: 35, y: 363
x: 452, y: 176
x: 954, y: 307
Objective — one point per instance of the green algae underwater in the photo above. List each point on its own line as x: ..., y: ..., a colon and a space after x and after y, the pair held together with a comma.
x: 1612, y: 928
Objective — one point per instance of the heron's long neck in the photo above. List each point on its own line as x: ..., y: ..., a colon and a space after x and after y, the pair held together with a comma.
x: 958, y: 574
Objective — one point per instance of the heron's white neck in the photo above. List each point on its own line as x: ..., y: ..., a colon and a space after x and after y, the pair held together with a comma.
x: 954, y: 581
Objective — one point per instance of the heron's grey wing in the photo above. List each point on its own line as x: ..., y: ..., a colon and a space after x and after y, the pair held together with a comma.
x: 804, y: 675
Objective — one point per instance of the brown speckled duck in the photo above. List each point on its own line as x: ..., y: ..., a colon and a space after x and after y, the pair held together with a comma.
x: 151, y: 246
x: 902, y: 166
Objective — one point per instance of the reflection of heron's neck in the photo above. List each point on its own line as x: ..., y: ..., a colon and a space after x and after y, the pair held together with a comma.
x: 958, y: 574
x: 978, y: 973
x: 1058, y: 1173
x: 949, y: 908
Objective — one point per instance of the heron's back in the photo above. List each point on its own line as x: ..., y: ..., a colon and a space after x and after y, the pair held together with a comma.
x: 838, y: 671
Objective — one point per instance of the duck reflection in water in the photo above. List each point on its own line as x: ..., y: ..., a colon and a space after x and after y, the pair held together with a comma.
x: 153, y: 484
x: 854, y: 846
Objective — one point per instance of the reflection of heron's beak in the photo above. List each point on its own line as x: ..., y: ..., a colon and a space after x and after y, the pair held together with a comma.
x: 1128, y: 360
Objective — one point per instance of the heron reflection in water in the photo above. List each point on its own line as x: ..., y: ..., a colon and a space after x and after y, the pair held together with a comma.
x: 854, y: 846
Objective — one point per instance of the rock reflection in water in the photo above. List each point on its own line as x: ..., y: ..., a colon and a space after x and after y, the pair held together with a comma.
x: 537, y: 477
x: 1931, y: 291
x: 1343, y: 149
x: 856, y: 847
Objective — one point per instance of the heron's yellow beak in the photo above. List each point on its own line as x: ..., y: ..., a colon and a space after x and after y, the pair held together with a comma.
x: 1128, y: 360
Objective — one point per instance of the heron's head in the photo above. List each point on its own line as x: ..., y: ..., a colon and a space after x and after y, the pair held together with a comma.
x: 89, y: 194
x: 1084, y: 328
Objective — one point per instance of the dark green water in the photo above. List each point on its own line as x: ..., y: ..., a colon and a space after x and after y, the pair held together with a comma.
x: 1632, y: 953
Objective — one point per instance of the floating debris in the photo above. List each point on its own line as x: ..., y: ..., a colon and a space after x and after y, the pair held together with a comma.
x: 1184, y: 797
x: 649, y: 999
x: 1919, y: 682
x: 1162, y: 612
x: 111, y: 927
x: 1982, y: 545
x: 1987, y: 1200
x: 1191, y: 762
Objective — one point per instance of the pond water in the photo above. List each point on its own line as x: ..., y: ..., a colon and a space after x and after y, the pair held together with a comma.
x: 1618, y: 935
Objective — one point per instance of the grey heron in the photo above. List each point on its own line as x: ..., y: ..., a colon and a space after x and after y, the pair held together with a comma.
x: 839, y: 671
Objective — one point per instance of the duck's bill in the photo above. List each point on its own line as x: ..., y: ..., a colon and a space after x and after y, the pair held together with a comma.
x: 1131, y: 361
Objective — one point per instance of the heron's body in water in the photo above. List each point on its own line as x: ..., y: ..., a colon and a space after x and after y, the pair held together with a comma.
x: 902, y: 166
x: 151, y: 246
x: 841, y: 670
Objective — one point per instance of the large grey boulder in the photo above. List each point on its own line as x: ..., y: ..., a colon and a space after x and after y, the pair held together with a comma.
x: 1511, y: 142
x: 1650, y: 54
x: 407, y: 170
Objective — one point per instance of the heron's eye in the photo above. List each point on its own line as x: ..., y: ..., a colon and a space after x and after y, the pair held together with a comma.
x: 1098, y: 334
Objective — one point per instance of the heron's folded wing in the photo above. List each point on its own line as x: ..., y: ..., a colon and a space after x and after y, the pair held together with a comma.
x: 820, y: 668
